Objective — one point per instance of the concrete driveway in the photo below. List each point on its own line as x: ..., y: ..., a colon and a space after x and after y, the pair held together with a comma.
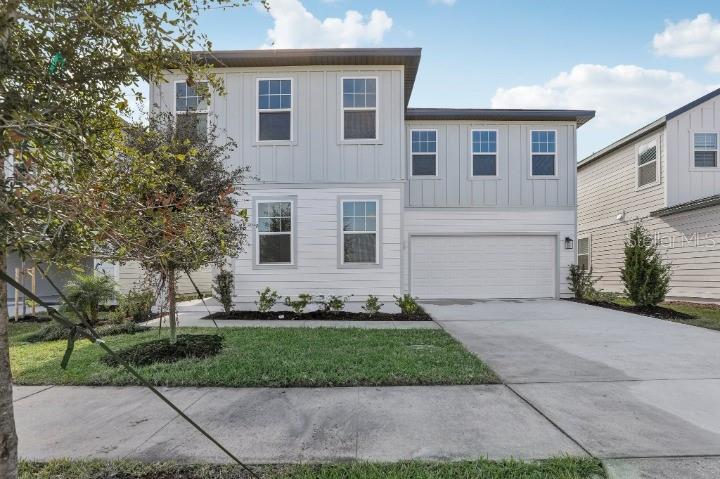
x: 641, y: 393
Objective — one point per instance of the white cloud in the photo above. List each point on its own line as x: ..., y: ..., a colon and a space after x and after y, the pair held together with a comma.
x: 696, y: 38
x: 296, y: 27
x: 449, y: 3
x: 623, y: 96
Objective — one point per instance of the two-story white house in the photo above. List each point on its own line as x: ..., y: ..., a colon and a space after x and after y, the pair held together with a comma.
x: 358, y: 194
x: 667, y: 175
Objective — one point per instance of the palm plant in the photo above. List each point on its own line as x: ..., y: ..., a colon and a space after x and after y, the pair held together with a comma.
x: 88, y: 291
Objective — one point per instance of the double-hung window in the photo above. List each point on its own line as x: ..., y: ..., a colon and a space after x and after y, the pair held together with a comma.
x: 424, y: 152
x: 647, y: 155
x: 705, y: 154
x: 360, y: 240
x: 484, y: 153
x: 274, y: 120
x: 359, y: 115
x: 544, y: 149
x: 274, y: 232
x: 583, y: 253
x: 191, y: 110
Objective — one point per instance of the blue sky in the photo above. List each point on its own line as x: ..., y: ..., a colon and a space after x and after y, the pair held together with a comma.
x: 632, y: 61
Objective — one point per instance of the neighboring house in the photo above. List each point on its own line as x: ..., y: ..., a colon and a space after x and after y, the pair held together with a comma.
x: 131, y: 275
x: 666, y: 174
x: 358, y: 194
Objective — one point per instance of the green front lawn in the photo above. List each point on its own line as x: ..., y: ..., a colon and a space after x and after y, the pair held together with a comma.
x: 705, y: 315
x: 272, y: 357
x: 557, y: 468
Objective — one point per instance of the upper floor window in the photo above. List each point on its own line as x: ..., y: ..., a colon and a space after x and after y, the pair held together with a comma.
x: 705, y: 150
x: 544, y: 151
x: 583, y: 253
x: 359, y: 232
x: 191, y: 110
x: 359, y: 116
x: 484, y: 153
x: 647, y: 164
x: 274, y: 121
x: 424, y: 152
x: 274, y: 232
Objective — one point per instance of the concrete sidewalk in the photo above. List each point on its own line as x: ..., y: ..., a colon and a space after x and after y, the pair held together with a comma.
x: 264, y: 425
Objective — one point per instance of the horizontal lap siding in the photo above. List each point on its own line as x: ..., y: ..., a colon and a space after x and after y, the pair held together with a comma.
x: 317, y: 269
x: 132, y: 275
x: 477, y: 221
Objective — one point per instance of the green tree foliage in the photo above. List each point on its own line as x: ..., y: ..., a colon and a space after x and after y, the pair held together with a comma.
x: 645, y: 276
x: 582, y: 283
x: 223, y: 286
x: 88, y: 291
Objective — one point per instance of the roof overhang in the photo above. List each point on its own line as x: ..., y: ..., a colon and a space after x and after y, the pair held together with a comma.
x: 409, y: 58
x: 626, y: 140
x: 706, y: 202
x: 580, y: 117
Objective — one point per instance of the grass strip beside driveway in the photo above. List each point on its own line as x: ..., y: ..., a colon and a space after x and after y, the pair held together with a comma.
x: 556, y: 468
x: 267, y: 357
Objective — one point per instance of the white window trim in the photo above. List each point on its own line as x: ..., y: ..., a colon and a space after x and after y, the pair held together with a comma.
x: 436, y: 175
x: 205, y: 111
x: 341, y: 231
x: 293, y: 233
x: 589, y: 250
x: 496, y: 176
x: 657, y: 164
x: 693, y: 149
x: 554, y: 176
x: 376, y: 109
x: 258, y: 110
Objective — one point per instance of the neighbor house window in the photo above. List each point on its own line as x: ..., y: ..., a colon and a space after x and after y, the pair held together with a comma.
x: 359, y: 232
x: 484, y: 153
x: 647, y: 164
x: 274, y: 110
x: 274, y: 232
x: 424, y: 152
x: 706, y: 150
x: 359, y: 116
x: 191, y: 110
x: 543, y: 147
x: 583, y: 253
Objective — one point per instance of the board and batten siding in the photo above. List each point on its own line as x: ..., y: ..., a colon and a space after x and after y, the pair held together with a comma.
x: 316, y: 253
x: 317, y: 153
x: 513, y: 187
x: 685, y: 182
x: 558, y: 222
x: 689, y: 241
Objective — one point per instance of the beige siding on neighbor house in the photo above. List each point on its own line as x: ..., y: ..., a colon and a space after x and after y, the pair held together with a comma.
x: 317, y: 152
x: 689, y: 241
x: 131, y: 275
x: 455, y: 186
x: 685, y: 182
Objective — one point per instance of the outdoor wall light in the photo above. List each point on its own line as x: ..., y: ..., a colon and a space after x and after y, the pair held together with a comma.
x: 568, y: 243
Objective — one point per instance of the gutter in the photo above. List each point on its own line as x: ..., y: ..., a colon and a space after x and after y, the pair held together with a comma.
x: 688, y: 206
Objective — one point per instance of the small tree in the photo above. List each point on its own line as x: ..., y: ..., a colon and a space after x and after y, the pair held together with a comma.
x: 645, y: 276
x: 582, y: 283
x: 88, y: 291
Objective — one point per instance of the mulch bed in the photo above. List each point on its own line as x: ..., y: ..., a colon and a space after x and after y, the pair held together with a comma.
x: 30, y: 318
x: 319, y: 315
x: 652, y: 311
x: 197, y: 346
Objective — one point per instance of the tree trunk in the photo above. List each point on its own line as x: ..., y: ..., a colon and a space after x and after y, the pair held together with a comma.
x: 8, y: 437
x: 172, y: 315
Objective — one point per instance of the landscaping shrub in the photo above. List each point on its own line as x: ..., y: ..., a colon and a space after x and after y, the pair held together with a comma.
x: 88, y: 291
x: 223, y: 286
x: 268, y: 298
x: 372, y: 305
x: 582, y: 283
x: 645, y: 276
x: 197, y: 346
x: 298, y: 305
x: 136, y: 306
x: 333, y: 303
x: 55, y: 331
x: 407, y: 304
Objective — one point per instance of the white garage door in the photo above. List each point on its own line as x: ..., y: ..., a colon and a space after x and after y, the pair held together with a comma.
x: 483, y: 267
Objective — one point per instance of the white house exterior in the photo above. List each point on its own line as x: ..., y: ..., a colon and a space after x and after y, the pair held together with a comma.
x: 355, y: 193
x: 667, y: 175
